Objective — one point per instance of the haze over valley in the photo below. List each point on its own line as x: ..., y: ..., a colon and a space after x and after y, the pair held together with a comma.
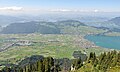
x: 59, y: 36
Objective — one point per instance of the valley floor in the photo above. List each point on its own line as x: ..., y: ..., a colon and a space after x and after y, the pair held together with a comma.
x: 57, y: 46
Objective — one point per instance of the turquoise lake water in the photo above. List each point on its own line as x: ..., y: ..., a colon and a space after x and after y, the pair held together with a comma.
x: 112, y: 42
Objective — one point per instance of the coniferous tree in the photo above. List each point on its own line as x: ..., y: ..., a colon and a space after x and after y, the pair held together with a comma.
x: 40, y: 66
x: 46, y: 65
x: 77, y: 63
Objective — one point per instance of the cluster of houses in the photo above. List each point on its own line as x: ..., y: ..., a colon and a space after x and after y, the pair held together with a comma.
x: 23, y: 43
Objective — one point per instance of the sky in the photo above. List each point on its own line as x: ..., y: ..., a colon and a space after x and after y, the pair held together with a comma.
x: 42, y: 6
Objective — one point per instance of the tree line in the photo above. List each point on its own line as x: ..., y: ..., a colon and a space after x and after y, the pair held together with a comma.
x: 104, y: 62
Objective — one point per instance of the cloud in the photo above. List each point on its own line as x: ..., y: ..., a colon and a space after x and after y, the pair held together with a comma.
x: 74, y: 10
x: 60, y: 10
x: 96, y: 10
x: 12, y: 8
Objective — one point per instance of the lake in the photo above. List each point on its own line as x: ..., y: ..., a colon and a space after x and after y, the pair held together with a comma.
x: 112, y: 42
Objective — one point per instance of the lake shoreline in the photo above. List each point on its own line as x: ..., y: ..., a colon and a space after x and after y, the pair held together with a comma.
x: 99, y: 40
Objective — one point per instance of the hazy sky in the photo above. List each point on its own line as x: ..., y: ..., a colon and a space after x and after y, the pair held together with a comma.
x: 34, y: 6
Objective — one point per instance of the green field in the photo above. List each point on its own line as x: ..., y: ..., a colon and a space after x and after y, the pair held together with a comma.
x: 57, y: 46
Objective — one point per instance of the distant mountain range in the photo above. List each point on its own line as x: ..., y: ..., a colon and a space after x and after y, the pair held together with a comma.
x: 40, y: 27
x: 59, y: 27
x: 112, y: 24
x: 6, y: 20
x: 29, y: 27
x: 116, y: 21
x: 16, y: 25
